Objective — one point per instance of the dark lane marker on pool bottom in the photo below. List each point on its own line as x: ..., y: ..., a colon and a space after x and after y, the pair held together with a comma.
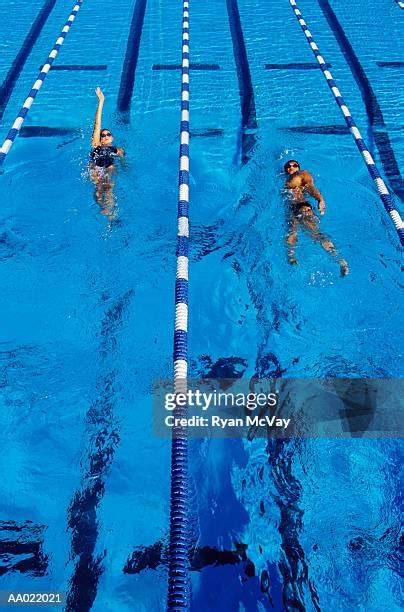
x: 373, y: 110
x: 78, y: 67
x: 336, y: 130
x: 82, y: 518
x: 21, y: 548
x: 35, y: 131
x: 208, y: 132
x: 294, y: 66
x: 387, y: 155
x: 247, y: 101
x: 9, y: 82
x: 130, y: 62
x: 390, y: 64
x: 375, y: 115
x: 153, y: 556
x: 191, y: 67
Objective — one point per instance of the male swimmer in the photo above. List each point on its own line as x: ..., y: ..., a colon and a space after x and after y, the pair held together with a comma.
x: 298, y: 184
x: 102, y: 159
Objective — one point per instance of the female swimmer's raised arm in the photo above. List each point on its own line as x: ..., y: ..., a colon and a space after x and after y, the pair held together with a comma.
x: 95, y: 140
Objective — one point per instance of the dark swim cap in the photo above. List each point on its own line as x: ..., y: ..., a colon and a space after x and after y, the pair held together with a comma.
x: 288, y: 162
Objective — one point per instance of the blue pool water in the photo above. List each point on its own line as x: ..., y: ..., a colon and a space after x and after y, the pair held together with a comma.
x: 89, y: 308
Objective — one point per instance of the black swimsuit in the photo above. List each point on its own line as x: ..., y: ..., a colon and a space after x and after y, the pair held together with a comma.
x: 297, y: 207
x: 103, y: 157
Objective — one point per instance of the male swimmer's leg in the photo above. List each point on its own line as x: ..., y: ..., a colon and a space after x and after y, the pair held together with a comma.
x: 330, y: 248
x: 312, y: 225
x: 291, y: 242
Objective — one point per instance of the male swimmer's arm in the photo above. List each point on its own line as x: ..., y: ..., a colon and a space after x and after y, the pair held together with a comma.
x: 95, y: 140
x: 312, y: 190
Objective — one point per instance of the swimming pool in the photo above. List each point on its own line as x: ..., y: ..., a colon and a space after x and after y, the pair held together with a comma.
x: 89, y: 309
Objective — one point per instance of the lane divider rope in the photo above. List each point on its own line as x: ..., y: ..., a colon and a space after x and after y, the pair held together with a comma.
x: 178, y: 575
x: 381, y: 187
x: 15, y: 129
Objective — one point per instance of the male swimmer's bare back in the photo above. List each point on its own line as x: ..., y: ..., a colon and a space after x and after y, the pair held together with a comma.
x: 299, y: 184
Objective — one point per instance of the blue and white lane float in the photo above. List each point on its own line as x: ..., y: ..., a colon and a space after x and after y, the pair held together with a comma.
x: 178, y: 597
x: 381, y: 187
x: 15, y: 129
